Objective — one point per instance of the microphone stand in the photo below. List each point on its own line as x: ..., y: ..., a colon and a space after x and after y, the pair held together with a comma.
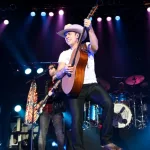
x: 32, y: 123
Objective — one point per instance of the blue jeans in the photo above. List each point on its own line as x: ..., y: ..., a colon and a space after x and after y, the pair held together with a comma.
x: 57, y: 120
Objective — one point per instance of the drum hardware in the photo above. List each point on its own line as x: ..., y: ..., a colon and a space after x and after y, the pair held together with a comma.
x: 86, y: 125
x: 86, y: 121
x: 89, y: 111
x: 142, y: 120
x: 114, y: 77
x: 91, y: 115
x: 97, y: 114
x: 139, y: 118
x: 95, y: 118
x: 145, y: 107
x: 134, y: 110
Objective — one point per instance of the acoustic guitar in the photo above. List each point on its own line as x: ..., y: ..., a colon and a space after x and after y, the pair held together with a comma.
x: 72, y: 84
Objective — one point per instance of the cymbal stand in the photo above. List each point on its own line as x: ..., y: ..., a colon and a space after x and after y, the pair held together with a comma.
x: 134, y: 111
x: 86, y: 122
x: 89, y: 111
x: 97, y: 113
x: 142, y: 123
x: 134, y: 105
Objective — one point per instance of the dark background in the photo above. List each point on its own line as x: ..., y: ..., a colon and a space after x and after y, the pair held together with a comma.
x: 124, y: 50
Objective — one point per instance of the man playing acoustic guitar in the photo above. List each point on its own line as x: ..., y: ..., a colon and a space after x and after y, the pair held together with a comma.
x: 52, y: 111
x: 90, y: 88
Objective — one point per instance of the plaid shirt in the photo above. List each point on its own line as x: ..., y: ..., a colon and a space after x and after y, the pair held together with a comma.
x: 48, y: 108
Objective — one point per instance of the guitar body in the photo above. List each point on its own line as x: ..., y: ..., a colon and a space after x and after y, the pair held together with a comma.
x: 72, y: 85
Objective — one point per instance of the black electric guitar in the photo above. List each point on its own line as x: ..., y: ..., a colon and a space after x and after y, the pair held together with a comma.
x: 39, y: 107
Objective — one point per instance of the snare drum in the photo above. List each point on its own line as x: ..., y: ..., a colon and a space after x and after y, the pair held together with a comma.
x: 122, y: 115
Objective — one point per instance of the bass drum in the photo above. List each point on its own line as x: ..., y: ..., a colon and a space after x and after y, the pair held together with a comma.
x: 122, y: 115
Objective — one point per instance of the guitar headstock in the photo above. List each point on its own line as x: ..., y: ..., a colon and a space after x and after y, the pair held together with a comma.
x: 93, y: 10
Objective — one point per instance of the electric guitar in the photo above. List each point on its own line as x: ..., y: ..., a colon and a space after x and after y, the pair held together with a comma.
x: 38, y: 109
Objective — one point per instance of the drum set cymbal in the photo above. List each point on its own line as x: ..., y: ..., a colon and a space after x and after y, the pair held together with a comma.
x: 134, y: 80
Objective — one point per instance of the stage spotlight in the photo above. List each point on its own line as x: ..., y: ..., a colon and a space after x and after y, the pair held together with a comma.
x: 32, y: 13
x: 108, y: 18
x: 148, y: 9
x: 117, y: 18
x: 28, y: 71
x: 51, y: 14
x: 54, y: 144
x: 99, y: 19
x: 43, y: 14
x: 61, y: 12
x: 6, y: 22
x: 39, y: 70
x: 17, y: 108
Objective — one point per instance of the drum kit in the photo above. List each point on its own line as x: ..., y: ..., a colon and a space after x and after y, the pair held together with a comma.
x: 130, y: 109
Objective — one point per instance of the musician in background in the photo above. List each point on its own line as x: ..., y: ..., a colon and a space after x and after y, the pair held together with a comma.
x: 90, y: 89
x: 52, y: 112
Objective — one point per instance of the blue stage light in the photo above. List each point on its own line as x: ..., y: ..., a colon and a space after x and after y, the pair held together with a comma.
x: 17, y: 108
x: 117, y: 18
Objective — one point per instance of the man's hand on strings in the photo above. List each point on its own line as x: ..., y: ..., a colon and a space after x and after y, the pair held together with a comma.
x: 68, y: 69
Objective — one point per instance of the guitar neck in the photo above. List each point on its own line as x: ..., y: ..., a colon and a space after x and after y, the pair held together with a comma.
x: 44, y: 101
